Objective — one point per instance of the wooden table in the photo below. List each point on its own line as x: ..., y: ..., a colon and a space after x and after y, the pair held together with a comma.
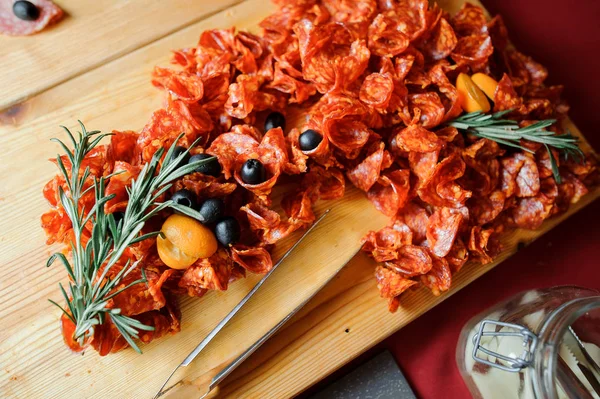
x: 95, y: 66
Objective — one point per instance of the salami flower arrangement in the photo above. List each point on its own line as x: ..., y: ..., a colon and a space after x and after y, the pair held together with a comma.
x: 447, y: 128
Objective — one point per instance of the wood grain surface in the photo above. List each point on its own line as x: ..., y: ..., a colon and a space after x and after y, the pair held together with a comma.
x: 107, y: 85
x: 92, y: 33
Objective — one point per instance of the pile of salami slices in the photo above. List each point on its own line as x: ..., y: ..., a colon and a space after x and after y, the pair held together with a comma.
x: 375, y: 83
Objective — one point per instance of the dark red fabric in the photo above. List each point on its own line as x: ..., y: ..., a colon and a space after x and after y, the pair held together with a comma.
x: 564, y: 38
x: 425, y: 349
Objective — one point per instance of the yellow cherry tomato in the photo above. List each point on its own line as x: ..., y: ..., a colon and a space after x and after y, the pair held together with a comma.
x: 172, y: 256
x: 471, y: 97
x: 486, y: 84
x: 185, y: 241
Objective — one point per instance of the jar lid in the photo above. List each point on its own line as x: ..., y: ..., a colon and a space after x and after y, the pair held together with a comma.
x: 494, y: 328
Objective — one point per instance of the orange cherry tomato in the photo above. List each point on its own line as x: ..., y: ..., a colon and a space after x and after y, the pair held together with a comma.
x: 185, y: 241
x: 471, y: 97
x: 486, y: 84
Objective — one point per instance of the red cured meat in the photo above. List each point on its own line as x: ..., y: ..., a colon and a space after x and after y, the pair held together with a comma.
x: 442, y: 41
x: 205, y: 186
x: 410, y: 261
x: 427, y: 109
x: 117, y: 186
x: 376, y: 90
x: 470, y: 20
x: 390, y: 193
x: 230, y: 148
x: 383, y: 245
x: 441, y: 188
x: 439, y: 278
x: 253, y: 259
x: 212, y: 273
x: 473, y: 51
x: 268, y: 224
x: 365, y: 174
x: 376, y: 80
x: 391, y: 285
x: 505, y: 96
x: 415, y: 138
x: 135, y: 301
x: 182, y: 85
x: 385, y: 38
x: 481, y: 245
x: 442, y: 229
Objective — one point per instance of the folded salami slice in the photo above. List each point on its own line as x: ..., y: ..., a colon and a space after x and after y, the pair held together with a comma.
x: 10, y: 24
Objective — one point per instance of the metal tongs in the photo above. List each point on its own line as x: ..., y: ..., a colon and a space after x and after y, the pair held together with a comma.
x: 586, y: 364
x: 235, y: 363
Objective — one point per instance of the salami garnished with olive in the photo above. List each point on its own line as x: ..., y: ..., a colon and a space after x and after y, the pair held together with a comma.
x: 210, y: 168
x: 227, y: 231
x: 253, y: 172
x: 211, y: 210
x: 275, y: 119
x: 22, y: 17
x: 185, y: 197
x: 26, y: 10
x: 309, y: 140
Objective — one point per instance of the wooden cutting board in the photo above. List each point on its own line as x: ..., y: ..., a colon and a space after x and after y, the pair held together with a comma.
x: 95, y: 66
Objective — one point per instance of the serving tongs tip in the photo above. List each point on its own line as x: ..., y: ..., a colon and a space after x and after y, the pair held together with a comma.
x: 233, y: 365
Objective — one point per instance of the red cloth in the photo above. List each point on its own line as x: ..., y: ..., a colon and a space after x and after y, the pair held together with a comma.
x: 564, y: 38
x: 425, y: 349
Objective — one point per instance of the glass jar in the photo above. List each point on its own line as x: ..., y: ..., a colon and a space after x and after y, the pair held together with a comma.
x: 517, y: 349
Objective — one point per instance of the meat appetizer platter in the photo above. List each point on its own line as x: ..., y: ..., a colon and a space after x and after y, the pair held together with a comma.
x: 434, y: 142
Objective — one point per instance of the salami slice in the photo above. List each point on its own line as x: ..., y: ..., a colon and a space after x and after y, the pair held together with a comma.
x: 10, y: 24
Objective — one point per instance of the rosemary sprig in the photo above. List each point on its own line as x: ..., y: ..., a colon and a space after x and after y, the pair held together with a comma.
x: 508, y: 132
x: 91, y: 283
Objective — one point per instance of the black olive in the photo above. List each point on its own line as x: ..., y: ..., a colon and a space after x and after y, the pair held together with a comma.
x: 274, y: 119
x: 184, y: 197
x: 26, y: 10
x: 180, y: 150
x: 253, y: 172
x: 118, y: 216
x: 227, y: 231
x: 309, y: 140
x: 211, y: 168
x: 211, y: 210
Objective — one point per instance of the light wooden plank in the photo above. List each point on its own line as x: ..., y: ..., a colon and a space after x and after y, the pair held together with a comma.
x: 93, y: 33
